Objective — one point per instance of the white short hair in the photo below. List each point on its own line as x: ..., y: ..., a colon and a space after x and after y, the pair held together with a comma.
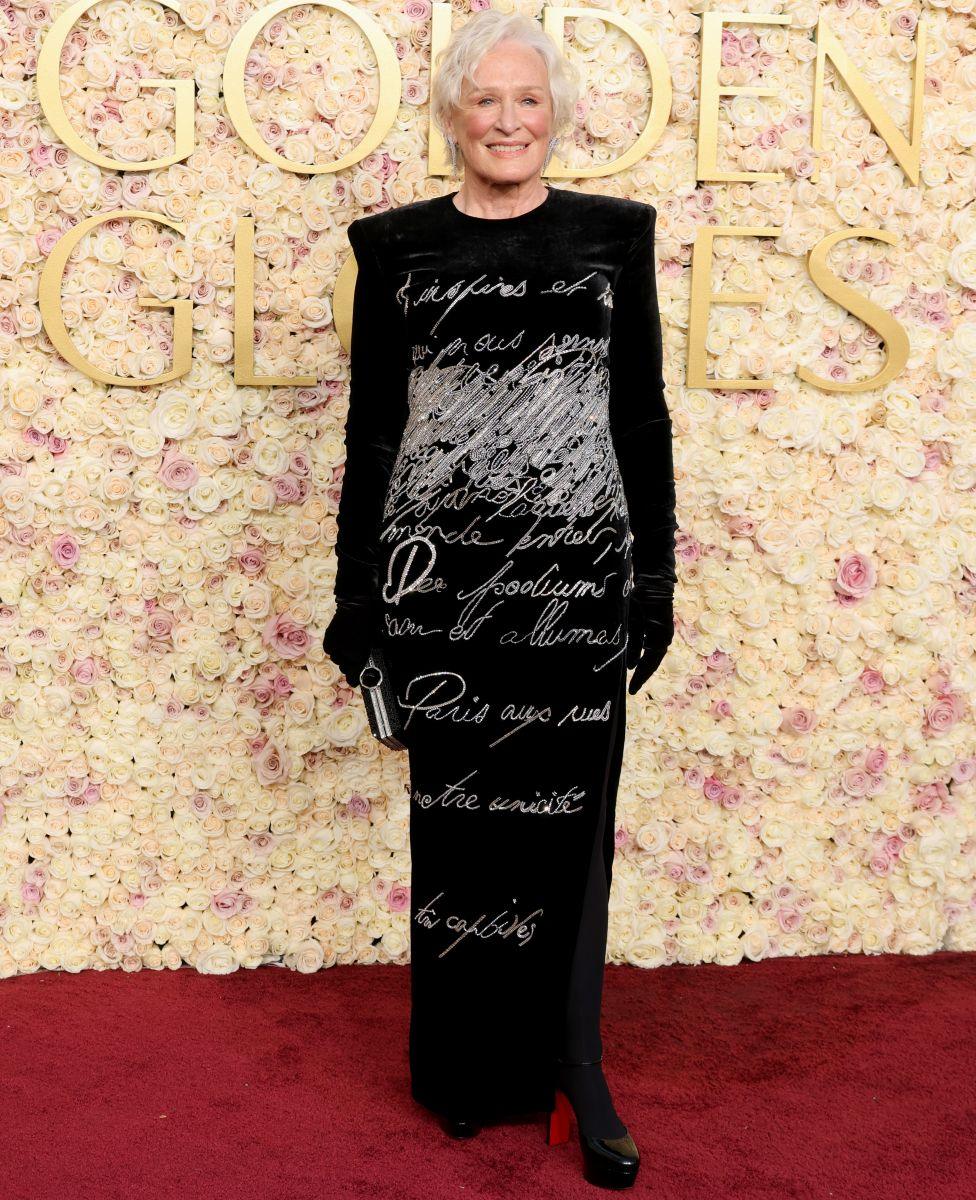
x: 469, y: 42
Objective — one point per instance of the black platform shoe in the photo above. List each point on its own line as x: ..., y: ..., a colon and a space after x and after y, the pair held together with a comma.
x: 461, y: 1127
x: 607, y: 1162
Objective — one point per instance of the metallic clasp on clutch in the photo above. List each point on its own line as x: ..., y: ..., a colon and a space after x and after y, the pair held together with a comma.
x: 385, y: 717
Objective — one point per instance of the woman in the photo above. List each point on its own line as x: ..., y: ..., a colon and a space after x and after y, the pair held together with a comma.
x: 507, y: 433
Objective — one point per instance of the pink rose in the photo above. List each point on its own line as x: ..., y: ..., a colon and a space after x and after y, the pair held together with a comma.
x: 202, y: 292
x: 83, y: 670
x: 178, y: 472
x: 358, y: 805
x: 262, y: 841
x: 934, y: 456
x: 160, y: 624
x: 46, y: 240
x: 799, y: 719
x: 285, y: 636
x: 802, y: 165
x: 854, y: 782
x: 856, y: 575
x: 943, y: 713
x: 399, y: 898
x: 788, y: 919
x: 64, y: 550
x: 226, y: 904
x: 251, y: 561
x: 271, y: 764
x: 876, y: 760
x: 713, y: 789
x: 964, y: 769
x: 872, y: 681
x: 686, y: 549
x: 932, y: 798
x: 136, y: 188
x: 287, y: 488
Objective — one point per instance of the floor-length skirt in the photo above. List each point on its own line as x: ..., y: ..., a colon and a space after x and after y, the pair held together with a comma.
x: 507, y: 653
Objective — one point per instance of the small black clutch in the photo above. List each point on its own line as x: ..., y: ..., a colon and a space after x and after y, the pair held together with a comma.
x: 382, y: 707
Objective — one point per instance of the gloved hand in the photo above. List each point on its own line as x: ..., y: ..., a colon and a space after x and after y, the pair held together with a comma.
x: 650, y: 631
x: 348, y: 640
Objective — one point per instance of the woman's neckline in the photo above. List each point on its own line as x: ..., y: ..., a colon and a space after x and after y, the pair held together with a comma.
x: 503, y: 222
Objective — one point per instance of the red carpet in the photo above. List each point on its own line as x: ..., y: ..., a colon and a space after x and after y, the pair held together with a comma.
x: 843, y: 1075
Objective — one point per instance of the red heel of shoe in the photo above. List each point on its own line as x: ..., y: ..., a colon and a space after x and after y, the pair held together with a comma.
x: 559, y: 1120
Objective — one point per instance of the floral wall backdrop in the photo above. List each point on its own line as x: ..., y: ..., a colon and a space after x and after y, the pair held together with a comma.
x: 184, y: 777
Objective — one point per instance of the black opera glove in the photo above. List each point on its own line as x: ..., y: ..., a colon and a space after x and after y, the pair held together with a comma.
x: 378, y: 407
x: 640, y: 425
x: 349, y: 637
x: 650, y: 631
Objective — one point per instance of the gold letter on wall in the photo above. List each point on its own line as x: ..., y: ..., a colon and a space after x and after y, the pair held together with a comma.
x: 702, y: 298
x: 236, y: 101
x: 906, y: 152
x: 244, y: 316
x: 711, y: 61
x: 895, y: 337
x: 49, y: 94
x: 554, y: 23
x: 49, y: 299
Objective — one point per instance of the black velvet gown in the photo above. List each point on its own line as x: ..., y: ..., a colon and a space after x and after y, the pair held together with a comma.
x: 508, y: 470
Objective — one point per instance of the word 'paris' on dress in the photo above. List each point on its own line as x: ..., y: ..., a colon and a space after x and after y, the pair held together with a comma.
x: 508, y: 495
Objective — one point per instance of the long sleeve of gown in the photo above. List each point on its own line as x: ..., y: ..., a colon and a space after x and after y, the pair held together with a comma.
x: 641, y: 429
x: 378, y: 406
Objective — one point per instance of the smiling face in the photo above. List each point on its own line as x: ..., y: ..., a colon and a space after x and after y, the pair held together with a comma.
x: 503, y: 124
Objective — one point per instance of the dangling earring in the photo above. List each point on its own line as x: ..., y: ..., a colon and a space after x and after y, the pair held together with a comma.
x: 552, y: 146
x: 452, y: 145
